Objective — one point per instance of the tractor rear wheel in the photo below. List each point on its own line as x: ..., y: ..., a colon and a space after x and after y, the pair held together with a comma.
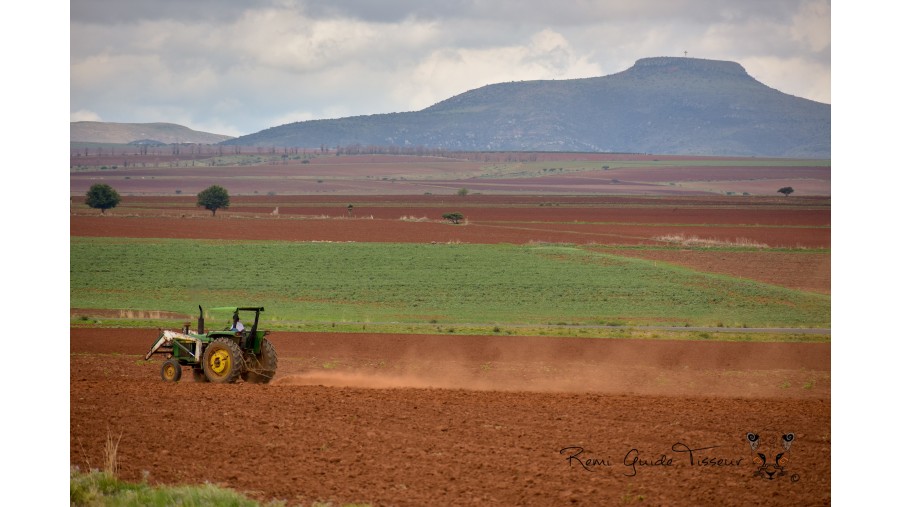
x: 260, y: 368
x: 222, y: 361
x: 170, y: 371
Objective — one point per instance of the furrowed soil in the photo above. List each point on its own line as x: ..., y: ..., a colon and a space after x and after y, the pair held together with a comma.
x: 809, y: 271
x: 789, y: 223
x: 447, y: 420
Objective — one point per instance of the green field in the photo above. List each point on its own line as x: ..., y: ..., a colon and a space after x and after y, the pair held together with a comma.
x: 321, y: 283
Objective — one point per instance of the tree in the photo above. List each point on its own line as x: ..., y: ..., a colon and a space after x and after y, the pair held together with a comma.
x: 102, y: 196
x: 463, y: 192
x: 454, y: 217
x: 786, y: 191
x: 213, y: 198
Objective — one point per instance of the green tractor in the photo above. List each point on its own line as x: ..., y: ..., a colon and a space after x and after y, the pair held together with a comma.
x: 218, y: 356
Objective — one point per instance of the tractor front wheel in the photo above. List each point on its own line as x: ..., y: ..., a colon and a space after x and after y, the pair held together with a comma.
x: 261, y: 368
x: 170, y: 371
x: 222, y: 361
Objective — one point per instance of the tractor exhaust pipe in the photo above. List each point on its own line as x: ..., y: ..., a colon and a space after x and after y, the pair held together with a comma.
x: 200, y: 322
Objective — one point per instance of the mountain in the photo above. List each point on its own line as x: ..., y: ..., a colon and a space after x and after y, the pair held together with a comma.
x: 664, y: 105
x: 124, y: 133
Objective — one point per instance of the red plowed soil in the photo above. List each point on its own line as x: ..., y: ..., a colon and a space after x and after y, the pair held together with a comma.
x: 399, y: 231
x: 608, y: 220
x: 416, y: 420
x: 809, y: 271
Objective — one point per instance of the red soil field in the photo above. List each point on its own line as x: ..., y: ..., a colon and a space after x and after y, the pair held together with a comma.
x: 537, y: 213
x: 754, y: 202
x: 623, y: 209
x: 802, y: 271
x: 415, y: 420
x: 398, y: 231
x: 490, y: 219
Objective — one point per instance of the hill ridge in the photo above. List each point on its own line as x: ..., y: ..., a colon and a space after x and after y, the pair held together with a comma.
x: 124, y: 133
x: 665, y: 105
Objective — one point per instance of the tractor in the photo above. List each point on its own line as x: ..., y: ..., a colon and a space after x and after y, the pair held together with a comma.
x: 218, y: 356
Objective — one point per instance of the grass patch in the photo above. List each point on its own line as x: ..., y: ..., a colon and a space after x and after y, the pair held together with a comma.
x: 695, y: 241
x: 103, y: 489
x: 111, y: 453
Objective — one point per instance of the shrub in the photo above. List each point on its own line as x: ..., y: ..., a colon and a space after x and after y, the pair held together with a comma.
x: 454, y: 217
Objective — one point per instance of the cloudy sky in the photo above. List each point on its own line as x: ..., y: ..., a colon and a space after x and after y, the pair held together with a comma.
x: 239, y: 66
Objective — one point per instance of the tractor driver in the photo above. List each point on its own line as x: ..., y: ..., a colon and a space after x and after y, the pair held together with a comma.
x: 237, y: 326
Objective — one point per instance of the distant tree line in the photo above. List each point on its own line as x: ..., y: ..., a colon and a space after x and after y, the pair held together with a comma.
x: 199, y: 150
x: 424, y: 151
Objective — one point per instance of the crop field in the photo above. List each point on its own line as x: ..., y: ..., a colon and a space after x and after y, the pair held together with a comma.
x: 548, y: 350
x: 456, y: 283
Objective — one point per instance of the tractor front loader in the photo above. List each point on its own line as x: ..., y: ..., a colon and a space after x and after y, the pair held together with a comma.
x: 217, y: 356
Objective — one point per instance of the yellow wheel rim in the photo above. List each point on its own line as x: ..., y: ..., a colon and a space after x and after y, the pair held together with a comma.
x: 170, y: 372
x: 220, y: 362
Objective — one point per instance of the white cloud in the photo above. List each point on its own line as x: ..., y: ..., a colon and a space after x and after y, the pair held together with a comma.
x: 448, y: 72
x: 812, y: 25
x: 794, y: 76
x: 84, y: 115
x: 250, y: 64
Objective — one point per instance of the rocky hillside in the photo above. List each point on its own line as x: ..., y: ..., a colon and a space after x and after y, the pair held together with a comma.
x: 124, y: 133
x: 665, y: 105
